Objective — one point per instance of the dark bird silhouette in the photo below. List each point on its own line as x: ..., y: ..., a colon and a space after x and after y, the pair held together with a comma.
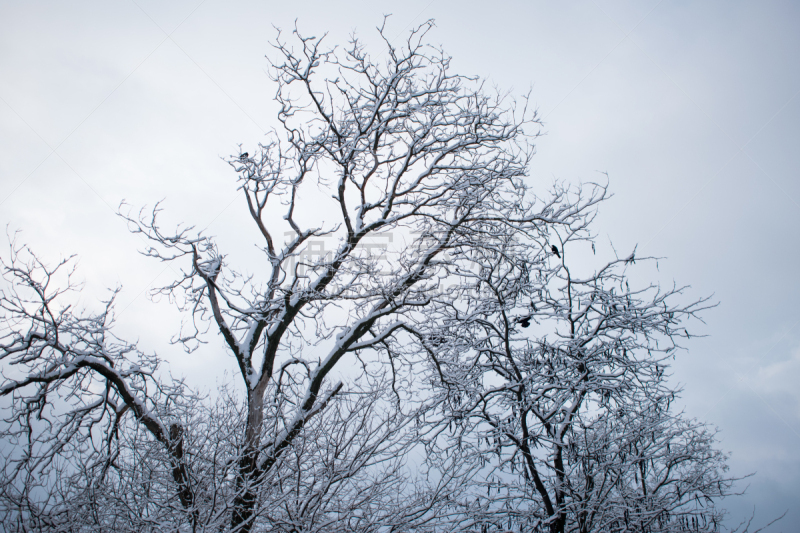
x: 244, y: 156
x: 523, y: 321
x: 632, y: 258
x: 555, y: 251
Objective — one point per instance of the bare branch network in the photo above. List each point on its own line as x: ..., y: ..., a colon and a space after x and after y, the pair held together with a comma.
x: 426, y: 344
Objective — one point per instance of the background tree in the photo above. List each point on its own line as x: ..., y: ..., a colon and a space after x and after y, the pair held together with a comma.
x: 643, y: 468
x: 558, y: 378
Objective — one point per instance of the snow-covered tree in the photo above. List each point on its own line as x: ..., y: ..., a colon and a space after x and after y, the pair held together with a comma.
x: 342, y: 347
x: 404, y: 148
x: 554, y: 376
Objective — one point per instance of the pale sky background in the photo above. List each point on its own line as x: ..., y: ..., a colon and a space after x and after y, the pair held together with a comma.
x: 691, y: 107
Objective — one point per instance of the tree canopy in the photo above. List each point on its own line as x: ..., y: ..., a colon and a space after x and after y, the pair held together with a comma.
x: 426, y: 345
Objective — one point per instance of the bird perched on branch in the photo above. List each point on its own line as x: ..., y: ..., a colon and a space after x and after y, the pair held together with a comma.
x: 523, y: 321
x: 244, y: 156
x: 555, y: 250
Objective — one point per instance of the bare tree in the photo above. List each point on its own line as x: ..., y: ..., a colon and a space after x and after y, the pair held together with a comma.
x: 408, y: 147
x: 71, y: 384
x: 558, y: 382
x: 643, y: 468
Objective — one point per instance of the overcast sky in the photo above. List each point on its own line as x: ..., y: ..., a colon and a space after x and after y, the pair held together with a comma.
x: 692, y: 109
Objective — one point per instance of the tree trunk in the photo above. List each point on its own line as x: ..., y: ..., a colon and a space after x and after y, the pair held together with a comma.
x: 245, y: 502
